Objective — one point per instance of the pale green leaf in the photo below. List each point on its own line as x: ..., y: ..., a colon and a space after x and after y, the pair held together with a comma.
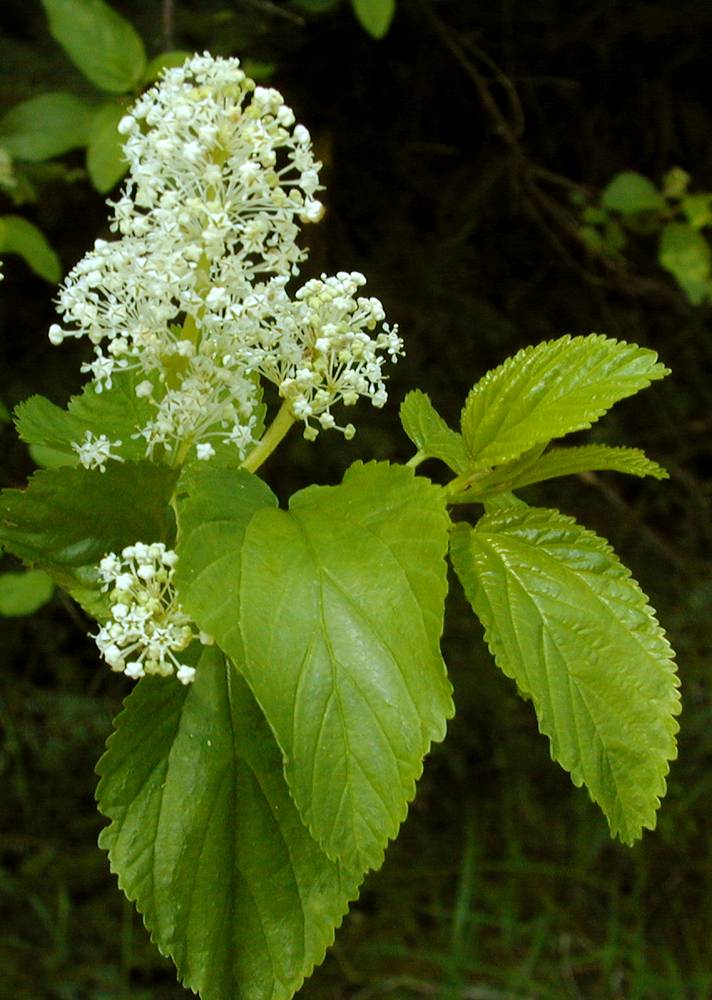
x: 549, y: 390
x: 333, y: 611
x: 51, y: 458
x: 100, y: 42
x: 686, y: 254
x: 570, y: 461
x: 46, y: 126
x: 19, y: 236
x: 697, y: 209
x: 565, y: 620
x: 675, y: 182
x: 24, y: 593
x: 67, y: 519
x: 630, y: 193
x: 105, y: 151
x: 206, y: 840
x: 375, y: 16
x: 429, y: 432
x: 214, y: 508
x: 341, y: 611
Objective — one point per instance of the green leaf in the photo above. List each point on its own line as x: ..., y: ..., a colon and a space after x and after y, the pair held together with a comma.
x: 19, y: 236
x: 67, y: 519
x: 164, y: 60
x: 675, y: 182
x: 697, y: 209
x: 341, y: 611
x: 685, y: 253
x: 102, y: 44
x: 587, y: 458
x: 549, y: 390
x: 105, y: 151
x: 375, y: 16
x: 566, y: 621
x: 50, y: 458
x: 214, y: 508
x: 42, y: 424
x: 115, y: 412
x: 24, y: 593
x: 206, y: 840
x: 429, y: 432
x: 46, y: 126
x: 629, y: 193
x: 594, y: 215
x: 317, y: 6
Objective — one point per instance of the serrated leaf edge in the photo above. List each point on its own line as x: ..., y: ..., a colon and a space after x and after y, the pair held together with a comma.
x: 460, y: 535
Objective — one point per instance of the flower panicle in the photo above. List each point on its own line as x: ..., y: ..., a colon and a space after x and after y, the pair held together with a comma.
x: 191, y: 298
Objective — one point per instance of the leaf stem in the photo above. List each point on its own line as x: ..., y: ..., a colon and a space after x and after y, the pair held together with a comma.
x: 270, y: 439
x: 415, y: 461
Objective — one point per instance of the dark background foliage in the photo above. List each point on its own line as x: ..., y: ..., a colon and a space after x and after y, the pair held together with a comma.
x: 451, y: 149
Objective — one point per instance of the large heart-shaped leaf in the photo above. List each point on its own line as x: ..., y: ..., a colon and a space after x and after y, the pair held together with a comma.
x: 206, y: 840
x: 333, y: 611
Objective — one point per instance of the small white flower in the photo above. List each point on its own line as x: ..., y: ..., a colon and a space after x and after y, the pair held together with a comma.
x: 94, y: 452
x: 204, y: 451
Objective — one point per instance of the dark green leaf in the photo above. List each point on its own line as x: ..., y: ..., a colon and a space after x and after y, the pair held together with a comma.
x: 105, y: 152
x: 317, y: 6
x: 102, y: 44
x: 67, y: 519
x: 207, y: 842
x: 19, y: 236
x: 375, y: 16
x: 115, y: 412
x: 46, y: 126
x: 566, y: 621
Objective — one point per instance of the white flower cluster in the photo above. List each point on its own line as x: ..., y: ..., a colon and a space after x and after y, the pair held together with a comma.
x: 320, y: 349
x: 192, y: 294
x: 147, y: 626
